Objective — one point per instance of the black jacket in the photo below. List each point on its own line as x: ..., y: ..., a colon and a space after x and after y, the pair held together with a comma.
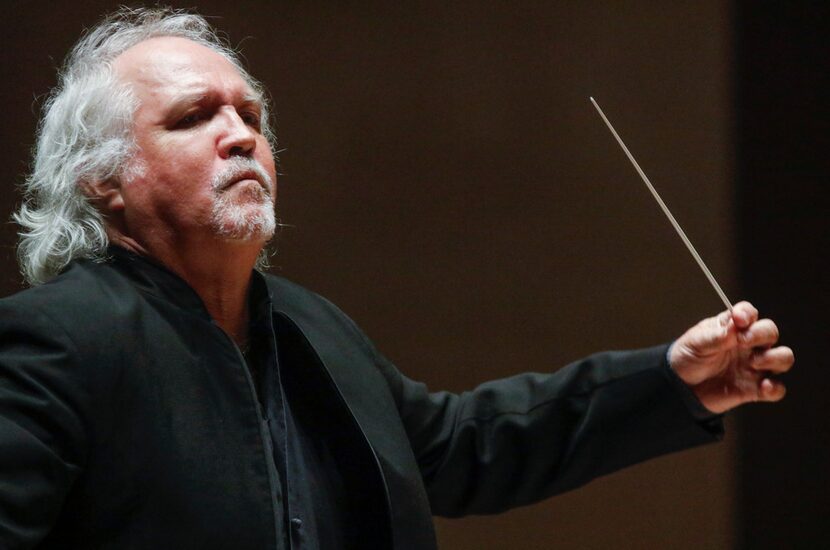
x: 128, y: 419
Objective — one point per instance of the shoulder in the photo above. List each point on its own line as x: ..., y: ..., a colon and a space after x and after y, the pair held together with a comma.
x: 82, y: 280
x: 50, y: 336
x: 86, y: 296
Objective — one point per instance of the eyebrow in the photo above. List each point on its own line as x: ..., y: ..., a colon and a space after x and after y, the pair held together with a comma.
x: 185, y: 100
x: 181, y: 102
x: 254, y: 98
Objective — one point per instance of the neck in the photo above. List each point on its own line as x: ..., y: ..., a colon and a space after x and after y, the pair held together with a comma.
x: 219, y: 272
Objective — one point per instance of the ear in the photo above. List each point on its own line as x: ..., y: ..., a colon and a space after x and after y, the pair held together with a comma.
x: 104, y: 195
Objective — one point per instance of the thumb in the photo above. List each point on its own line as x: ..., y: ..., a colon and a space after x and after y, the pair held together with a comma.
x: 711, y: 335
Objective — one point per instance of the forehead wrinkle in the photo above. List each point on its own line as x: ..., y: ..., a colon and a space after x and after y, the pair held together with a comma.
x: 157, y: 65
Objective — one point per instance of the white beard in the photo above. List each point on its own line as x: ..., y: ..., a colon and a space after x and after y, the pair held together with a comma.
x: 249, y: 220
x: 243, y: 214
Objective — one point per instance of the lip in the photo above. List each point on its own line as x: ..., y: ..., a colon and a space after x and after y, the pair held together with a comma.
x: 244, y: 176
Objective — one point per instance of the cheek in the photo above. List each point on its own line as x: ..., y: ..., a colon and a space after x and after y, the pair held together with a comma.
x: 266, y: 159
x: 169, y: 181
x: 141, y: 200
x: 153, y: 194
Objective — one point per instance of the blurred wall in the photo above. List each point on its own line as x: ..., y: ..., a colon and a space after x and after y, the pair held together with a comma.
x: 783, y: 208
x: 448, y: 184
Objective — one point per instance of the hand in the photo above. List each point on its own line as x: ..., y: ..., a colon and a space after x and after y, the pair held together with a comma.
x: 728, y: 360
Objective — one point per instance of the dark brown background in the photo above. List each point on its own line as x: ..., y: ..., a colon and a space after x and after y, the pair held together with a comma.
x: 449, y: 185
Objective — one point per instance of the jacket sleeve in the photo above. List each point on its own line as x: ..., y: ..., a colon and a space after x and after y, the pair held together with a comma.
x: 518, y: 440
x: 42, y: 435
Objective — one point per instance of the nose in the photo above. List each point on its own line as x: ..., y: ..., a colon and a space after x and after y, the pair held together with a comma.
x: 238, y: 139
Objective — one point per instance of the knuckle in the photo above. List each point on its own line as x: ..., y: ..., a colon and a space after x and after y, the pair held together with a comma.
x: 767, y: 330
x: 749, y: 309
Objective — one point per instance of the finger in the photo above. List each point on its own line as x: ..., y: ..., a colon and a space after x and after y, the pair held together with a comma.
x: 761, y: 333
x: 708, y: 335
x: 777, y: 360
x: 744, y: 314
x: 771, y: 390
x: 724, y: 318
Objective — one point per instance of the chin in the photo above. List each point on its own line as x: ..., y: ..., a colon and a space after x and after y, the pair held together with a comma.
x: 249, y: 222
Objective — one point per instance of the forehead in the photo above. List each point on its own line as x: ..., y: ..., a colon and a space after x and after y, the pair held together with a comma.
x: 169, y: 66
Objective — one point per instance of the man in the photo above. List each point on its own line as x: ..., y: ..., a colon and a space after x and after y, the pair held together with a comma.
x: 158, y: 392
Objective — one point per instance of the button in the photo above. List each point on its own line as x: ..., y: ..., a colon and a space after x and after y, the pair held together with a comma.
x: 296, y: 523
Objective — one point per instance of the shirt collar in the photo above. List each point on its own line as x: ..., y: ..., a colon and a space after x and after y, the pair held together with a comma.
x: 154, y: 278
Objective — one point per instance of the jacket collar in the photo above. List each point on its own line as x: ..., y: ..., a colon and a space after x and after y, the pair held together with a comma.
x: 153, y: 278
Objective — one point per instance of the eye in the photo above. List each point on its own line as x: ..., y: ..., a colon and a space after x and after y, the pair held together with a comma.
x: 190, y: 119
x: 250, y: 118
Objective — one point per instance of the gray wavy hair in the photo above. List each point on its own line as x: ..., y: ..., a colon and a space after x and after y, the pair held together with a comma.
x: 85, y: 134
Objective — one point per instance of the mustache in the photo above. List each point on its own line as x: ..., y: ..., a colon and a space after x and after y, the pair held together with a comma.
x: 238, y: 168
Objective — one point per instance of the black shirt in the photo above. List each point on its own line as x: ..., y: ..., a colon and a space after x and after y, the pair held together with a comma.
x: 316, y: 503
